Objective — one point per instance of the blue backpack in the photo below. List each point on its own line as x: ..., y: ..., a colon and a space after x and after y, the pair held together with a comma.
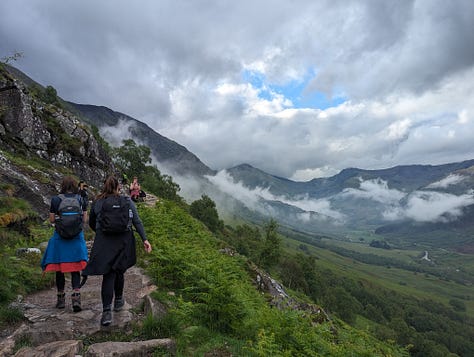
x: 68, y: 221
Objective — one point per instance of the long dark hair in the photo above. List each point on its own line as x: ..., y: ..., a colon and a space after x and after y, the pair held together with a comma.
x: 111, y: 185
x: 68, y: 185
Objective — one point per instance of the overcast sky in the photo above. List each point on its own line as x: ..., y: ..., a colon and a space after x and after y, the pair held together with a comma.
x: 298, y: 88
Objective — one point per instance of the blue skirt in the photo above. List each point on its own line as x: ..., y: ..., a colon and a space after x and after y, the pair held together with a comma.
x: 61, y: 251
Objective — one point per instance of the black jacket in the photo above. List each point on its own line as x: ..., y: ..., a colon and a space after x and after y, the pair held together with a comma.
x: 112, y: 252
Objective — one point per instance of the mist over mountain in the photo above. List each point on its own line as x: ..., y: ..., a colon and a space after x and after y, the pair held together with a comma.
x: 398, y: 200
x: 115, y: 127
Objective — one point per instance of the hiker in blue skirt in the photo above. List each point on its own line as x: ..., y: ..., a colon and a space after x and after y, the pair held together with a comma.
x: 66, y: 251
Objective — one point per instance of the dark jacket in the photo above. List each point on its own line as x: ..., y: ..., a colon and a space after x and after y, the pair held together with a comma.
x: 112, y: 252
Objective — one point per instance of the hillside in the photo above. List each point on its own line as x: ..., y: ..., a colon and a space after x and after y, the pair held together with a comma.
x: 41, y: 142
x: 170, y: 154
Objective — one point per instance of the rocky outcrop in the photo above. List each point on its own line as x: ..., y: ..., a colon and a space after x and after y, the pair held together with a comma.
x: 32, y: 131
x: 130, y: 349
x: 276, y: 294
x: 279, y: 298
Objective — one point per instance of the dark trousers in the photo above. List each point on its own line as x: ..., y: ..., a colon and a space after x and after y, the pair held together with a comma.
x: 61, y: 280
x: 112, y: 283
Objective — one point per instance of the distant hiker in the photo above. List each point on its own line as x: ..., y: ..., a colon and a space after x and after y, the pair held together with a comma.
x: 66, y: 251
x: 111, y: 217
x: 82, y: 190
x: 135, y: 189
x: 124, y: 179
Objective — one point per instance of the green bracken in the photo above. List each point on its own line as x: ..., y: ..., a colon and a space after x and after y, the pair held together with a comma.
x: 213, y: 298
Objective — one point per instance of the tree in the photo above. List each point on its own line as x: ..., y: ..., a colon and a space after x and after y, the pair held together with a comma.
x: 247, y: 241
x: 205, y: 210
x: 161, y: 185
x: 131, y: 158
x: 50, y: 96
x: 292, y: 274
x: 271, y: 250
x: 134, y: 160
x: 342, y: 303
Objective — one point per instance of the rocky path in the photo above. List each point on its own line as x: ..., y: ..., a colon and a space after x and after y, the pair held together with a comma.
x: 54, y: 332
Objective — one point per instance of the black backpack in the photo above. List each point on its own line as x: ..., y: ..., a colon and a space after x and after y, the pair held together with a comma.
x: 68, y: 220
x: 115, y: 215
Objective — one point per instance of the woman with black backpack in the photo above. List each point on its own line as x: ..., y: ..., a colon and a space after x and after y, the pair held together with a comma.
x: 66, y: 251
x: 113, y: 251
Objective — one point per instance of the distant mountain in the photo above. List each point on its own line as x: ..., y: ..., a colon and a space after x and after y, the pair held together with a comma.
x: 430, y: 204
x: 166, y: 151
x: 406, y: 178
x: 253, y: 177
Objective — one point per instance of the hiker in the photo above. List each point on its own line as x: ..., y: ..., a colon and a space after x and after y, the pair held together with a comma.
x: 66, y: 251
x: 113, y: 252
x: 82, y: 190
x: 135, y: 189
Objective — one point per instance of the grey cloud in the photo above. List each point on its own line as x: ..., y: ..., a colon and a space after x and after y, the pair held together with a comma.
x: 428, y: 206
x: 419, y: 206
x: 376, y: 190
x: 452, y: 179
x: 255, y: 199
x: 161, y: 63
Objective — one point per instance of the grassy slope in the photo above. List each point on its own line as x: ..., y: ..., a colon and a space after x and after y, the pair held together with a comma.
x: 216, y: 304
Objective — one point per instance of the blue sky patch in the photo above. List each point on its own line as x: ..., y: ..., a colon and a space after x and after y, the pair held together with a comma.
x: 293, y: 90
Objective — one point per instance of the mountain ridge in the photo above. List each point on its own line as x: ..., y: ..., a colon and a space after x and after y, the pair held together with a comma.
x: 167, y: 152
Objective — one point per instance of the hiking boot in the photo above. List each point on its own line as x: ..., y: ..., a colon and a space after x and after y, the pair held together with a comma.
x: 106, y: 319
x: 118, y: 303
x: 61, y: 303
x: 76, y: 302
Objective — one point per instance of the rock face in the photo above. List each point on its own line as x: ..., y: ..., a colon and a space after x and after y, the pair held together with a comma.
x: 276, y: 294
x: 32, y: 131
x: 278, y: 297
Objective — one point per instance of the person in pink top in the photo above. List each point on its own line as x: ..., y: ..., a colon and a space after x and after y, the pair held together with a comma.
x: 135, y: 189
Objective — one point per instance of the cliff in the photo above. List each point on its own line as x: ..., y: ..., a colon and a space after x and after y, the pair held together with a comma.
x: 40, y: 142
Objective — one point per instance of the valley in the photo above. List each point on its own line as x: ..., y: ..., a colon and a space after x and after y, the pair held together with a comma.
x: 423, y: 282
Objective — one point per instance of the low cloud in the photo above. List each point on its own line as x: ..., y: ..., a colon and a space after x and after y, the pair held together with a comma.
x: 429, y: 206
x: 115, y: 135
x: 254, y: 198
x: 420, y: 206
x: 376, y: 190
x: 452, y: 179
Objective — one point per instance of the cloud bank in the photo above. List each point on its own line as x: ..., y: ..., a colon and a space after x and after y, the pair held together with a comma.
x: 419, y: 206
x: 452, y: 179
x: 255, y: 199
x: 299, y: 89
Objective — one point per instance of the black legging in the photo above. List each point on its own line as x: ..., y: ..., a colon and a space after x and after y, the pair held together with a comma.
x: 61, y: 280
x: 112, y: 282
